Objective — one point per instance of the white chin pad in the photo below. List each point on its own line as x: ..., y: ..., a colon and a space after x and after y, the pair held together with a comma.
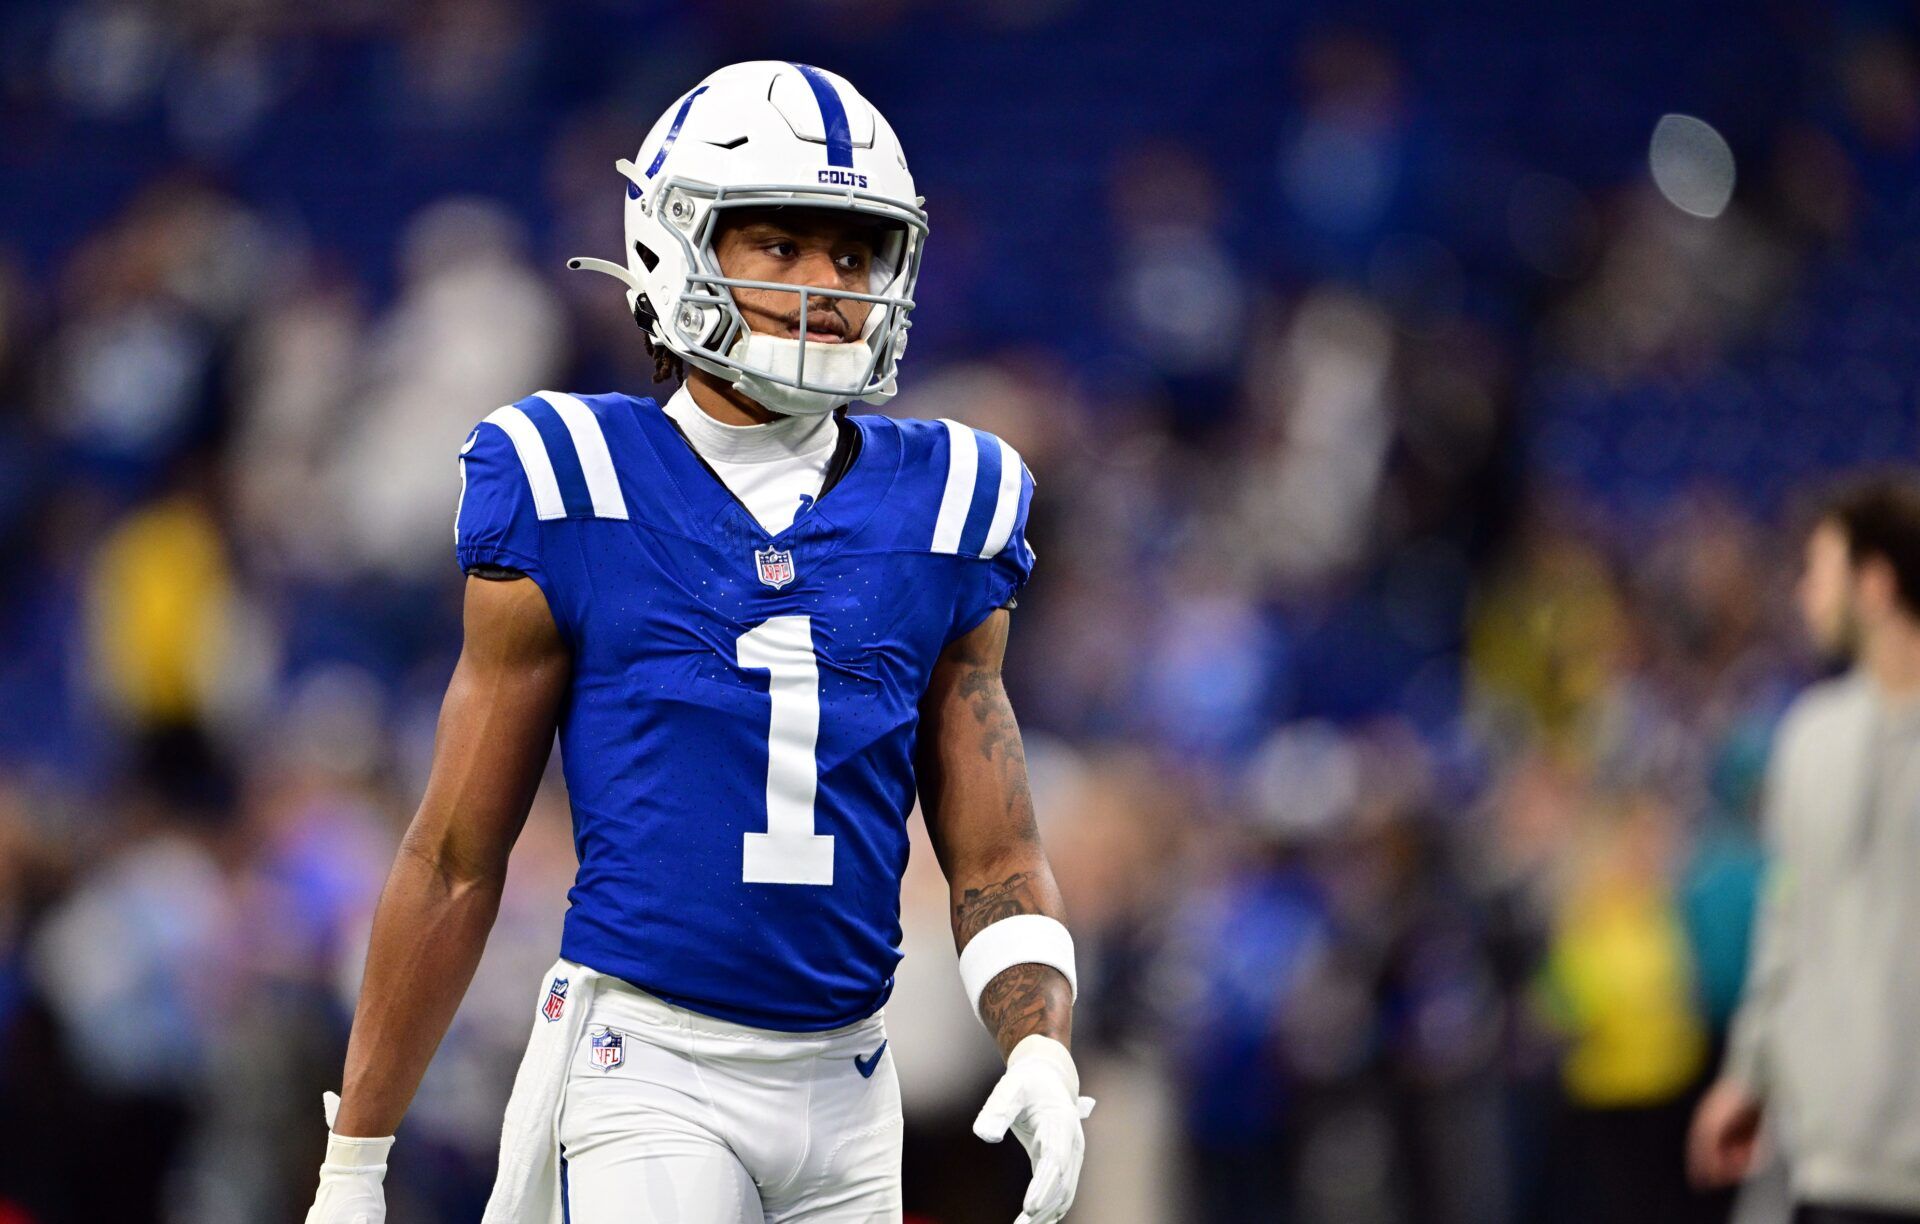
x: 841, y: 368
x: 838, y: 370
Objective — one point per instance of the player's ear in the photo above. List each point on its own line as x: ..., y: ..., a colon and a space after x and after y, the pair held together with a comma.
x: 1875, y: 588
x: 1886, y: 585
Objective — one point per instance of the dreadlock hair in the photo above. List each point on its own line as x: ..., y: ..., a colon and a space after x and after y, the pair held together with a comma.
x: 667, y: 364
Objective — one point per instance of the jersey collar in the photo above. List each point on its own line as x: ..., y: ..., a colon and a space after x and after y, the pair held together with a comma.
x: 858, y: 478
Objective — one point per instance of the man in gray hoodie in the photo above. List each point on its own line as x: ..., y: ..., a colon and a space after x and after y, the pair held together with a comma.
x: 1826, y: 1045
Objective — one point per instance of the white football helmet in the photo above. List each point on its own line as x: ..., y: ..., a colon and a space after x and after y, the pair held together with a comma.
x: 758, y: 135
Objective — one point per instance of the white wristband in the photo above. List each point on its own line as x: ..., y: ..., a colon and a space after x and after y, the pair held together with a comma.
x: 1023, y: 939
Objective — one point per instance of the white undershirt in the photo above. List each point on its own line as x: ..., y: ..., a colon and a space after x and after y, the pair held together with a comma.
x: 769, y: 467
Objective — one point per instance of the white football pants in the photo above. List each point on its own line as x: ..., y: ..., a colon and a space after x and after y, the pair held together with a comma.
x: 672, y: 1117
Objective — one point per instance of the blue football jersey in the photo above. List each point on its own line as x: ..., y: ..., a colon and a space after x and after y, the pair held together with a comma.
x: 738, y: 735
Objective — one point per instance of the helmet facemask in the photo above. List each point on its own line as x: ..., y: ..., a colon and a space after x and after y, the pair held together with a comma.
x: 792, y: 376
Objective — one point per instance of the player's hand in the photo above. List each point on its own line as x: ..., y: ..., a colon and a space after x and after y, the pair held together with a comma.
x: 350, y: 1179
x: 1039, y: 1099
x: 1725, y: 1138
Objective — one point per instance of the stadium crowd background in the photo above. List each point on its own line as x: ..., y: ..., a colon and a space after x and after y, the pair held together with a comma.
x: 1415, y: 529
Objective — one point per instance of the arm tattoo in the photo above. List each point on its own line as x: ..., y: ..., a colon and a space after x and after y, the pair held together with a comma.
x: 986, y: 699
x: 1001, y: 750
x: 981, y: 907
x: 1021, y: 999
x: 980, y: 813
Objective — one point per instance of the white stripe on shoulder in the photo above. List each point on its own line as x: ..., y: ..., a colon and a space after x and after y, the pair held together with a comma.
x: 1004, y: 509
x: 462, y: 503
x: 527, y: 443
x: 963, y: 467
x: 590, y: 444
x: 459, y: 506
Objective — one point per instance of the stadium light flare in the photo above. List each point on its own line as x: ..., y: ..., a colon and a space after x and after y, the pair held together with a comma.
x: 1692, y: 165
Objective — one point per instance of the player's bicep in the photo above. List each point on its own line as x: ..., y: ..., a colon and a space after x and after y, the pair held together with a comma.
x: 496, y: 730
x: 972, y: 766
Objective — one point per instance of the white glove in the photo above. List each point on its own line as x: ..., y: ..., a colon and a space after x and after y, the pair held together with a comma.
x: 350, y: 1179
x: 1039, y: 1097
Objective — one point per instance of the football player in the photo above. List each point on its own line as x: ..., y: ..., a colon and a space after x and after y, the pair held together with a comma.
x: 760, y: 626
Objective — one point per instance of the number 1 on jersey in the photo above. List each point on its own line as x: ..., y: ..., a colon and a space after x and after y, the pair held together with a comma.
x: 789, y: 852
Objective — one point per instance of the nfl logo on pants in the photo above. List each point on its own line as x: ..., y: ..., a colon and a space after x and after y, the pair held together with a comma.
x: 608, y: 1050
x: 556, y: 1002
x: 775, y: 566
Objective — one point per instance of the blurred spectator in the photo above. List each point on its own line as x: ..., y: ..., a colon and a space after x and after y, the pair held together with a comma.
x: 473, y: 325
x: 1819, y: 1045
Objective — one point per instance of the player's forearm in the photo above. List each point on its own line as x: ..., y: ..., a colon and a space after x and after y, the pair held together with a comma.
x: 979, y: 810
x: 1028, y: 998
x: 428, y: 933
x: 496, y: 729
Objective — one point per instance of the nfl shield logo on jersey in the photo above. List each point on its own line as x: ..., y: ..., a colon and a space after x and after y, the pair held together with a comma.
x: 556, y: 999
x: 609, y: 1050
x: 776, y: 566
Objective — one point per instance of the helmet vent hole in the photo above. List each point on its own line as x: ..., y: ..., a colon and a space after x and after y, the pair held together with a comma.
x: 735, y: 143
x: 647, y: 257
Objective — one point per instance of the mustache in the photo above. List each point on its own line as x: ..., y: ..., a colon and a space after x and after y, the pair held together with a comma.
x: 823, y: 318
